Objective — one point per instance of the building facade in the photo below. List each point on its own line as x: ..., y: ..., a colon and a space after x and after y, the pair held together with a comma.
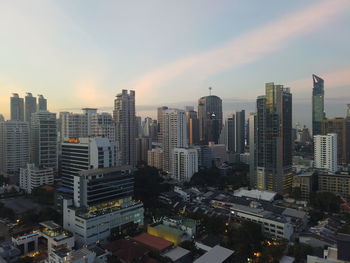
x: 16, y: 108
x: 155, y: 158
x: 32, y: 177
x: 125, y: 123
x: 14, y: 146
x: 185, y: 164
x: 325, y: 152
x: 318, y: 113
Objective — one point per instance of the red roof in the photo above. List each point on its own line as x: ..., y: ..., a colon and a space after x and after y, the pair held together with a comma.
x: 153, y: 242
x: 127, y: 250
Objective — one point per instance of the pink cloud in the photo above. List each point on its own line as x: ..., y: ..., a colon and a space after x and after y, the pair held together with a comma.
x: 247, y: 48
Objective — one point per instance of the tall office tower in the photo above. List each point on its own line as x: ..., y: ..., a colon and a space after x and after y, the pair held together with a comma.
x: 252, y: 149
x: 32, y: 177
x: 44, y: 140
x: 192, y: 126
x: 146, y: 126
x: 88, y: 112
x: 73, y: 125
x: 124, y: 117
x: 340, y: 126
x: 143, y: 144
x: 348, y: 111
x: 80, y: 154
x: 210, y: 118
x: 185, y: 164
x: 274, y: 139
x: 154, y: 131
x: 325, y: 151
x: 318, y: 113
x: 174, y: 134
x: 160, y: 113
x: 233, y: 133
x: 155, y: 158
x: 17, y: 108
x: 103, y: 201
x: 138, y: 126
x: 102, y: 125
x: 14, y: 146
x: 42, y: 103
x: 29, y: 107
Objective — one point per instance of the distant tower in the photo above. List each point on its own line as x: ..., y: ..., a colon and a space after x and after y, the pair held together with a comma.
x: 29, y: 107
x: 210, y: 118
x: 348, y: 111
x: 318, y: 113
x: 42, y: 103
x: 125, y: 131
x: 274, y: 139
x: 17, y: 108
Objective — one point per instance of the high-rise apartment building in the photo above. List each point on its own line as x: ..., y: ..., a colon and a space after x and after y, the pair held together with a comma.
x: 274, y: 139
x: 340, y: 126
x: 143, y: 145
x: 72, y: 125
x: 44, y: 139
x: 102, y: 125
x: 89, y: 112
x: 192, y: 127
x: 124, y: 117
x: 80, y: 154
x: 29, y: 107
x: 174, y: 134
x: 42, y: 103
x: 318, y: 113
x: 103, y: 201
x: 210, y: 118
x: 184, y: 164
x: 252, y: 149
x: 155, y: 158
x: 325, y: 152
x: 14, y: 146
x: 17, y: 108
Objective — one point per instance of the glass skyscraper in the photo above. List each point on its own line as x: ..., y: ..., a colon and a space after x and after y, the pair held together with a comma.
x: 318, y: 113
x: 274, y: 139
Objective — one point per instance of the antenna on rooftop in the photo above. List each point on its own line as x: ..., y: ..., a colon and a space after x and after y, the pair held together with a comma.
x: 210, y: 88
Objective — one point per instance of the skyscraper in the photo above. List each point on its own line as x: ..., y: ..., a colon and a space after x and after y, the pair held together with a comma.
x: 325, y: 152
x: 318, y: 113
x: 14, y: 146
x: 174, y: 134
x: 274, y: 139
x: 252, y: 149
x: 29, y: 107
x: 184, y: 163
x: 17, y: 108
x: 124, y: 117
x: 72, y: 125
x: 160, y: 113
x: 42, y: 103
x: 44, y: 140
x: 234, y: 132
x: 210, y: 118
x: 192, y: 127
x: 102, y: 125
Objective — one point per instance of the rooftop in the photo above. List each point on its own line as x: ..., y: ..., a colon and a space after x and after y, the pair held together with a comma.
x: 176, y: 253
x: 256, y: 194
x: 104, y: 170
x: 216, y: 254
x: 153, y: 242
x: 169, y: 229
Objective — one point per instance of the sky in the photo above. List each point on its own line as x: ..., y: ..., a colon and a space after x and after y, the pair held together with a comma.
x: 82, y: 53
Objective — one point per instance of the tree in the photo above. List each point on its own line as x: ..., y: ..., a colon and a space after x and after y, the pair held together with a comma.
x: 300, y: 251
x: 325, y: 201
x: 6, y: 212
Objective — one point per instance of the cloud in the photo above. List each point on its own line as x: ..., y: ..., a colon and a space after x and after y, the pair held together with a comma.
x: 244, y: 49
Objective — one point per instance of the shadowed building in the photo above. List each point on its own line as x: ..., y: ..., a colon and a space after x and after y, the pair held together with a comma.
x: 318, y: 113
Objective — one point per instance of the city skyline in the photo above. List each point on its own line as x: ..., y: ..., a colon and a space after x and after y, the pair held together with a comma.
x: 223, y: 56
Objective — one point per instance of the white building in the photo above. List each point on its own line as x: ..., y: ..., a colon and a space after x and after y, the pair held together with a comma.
x: 85, y: 153
x: 44, y: 139
x: 72, y: 125
x: 102, y: 202
x: 325, y: 152
x: 14, y: 146
x: 32, y: 177
x: 184, y: 164
x: 125, y: 127
x: 174, y: 134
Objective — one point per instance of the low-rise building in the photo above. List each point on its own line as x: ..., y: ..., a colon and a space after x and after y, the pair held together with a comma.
x: 307, y: 184
x: 334, y: 183
x: 217, y: 254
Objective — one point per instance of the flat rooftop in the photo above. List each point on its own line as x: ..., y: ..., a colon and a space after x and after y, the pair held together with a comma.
x: 217, y: 254
x: 153, y: 242
x: 176, y: 253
